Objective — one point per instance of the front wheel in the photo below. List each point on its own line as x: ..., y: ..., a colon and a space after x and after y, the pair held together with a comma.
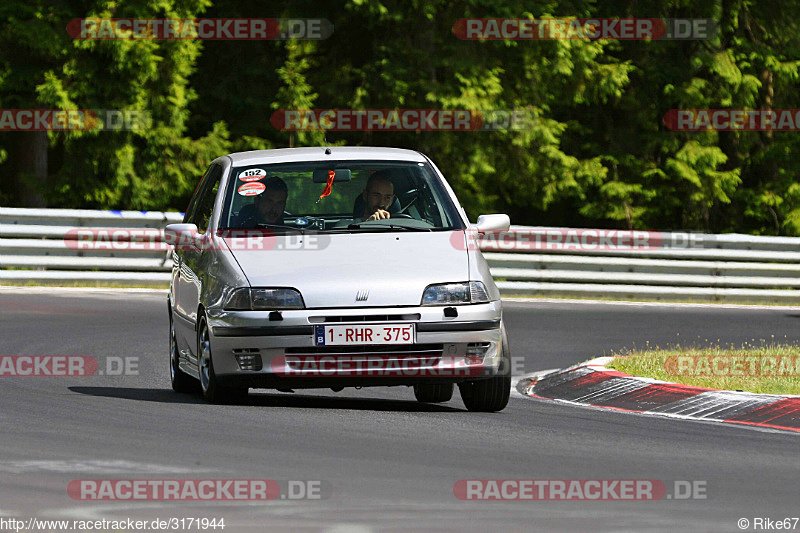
x: 490, y: 395
x: 212, y: 390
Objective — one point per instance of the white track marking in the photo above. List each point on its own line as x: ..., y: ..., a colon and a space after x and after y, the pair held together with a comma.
x: 50, y: 290
x: 653, y: 304
x: 91, y: 467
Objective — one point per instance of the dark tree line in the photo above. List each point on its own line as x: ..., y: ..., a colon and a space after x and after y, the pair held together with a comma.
x: 598, y: 153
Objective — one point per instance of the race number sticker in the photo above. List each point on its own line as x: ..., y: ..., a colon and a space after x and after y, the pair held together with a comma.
x: 254, y: 174
x: 251, y: 189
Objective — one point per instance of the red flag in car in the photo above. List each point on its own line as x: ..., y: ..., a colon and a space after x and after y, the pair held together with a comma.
x: 327, y: 191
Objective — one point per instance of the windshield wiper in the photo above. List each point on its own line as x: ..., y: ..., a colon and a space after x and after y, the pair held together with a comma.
x: 280, y: 226
x: 386, y: 226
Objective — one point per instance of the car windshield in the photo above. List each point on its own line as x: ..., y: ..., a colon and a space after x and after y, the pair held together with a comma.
x: 338, y: 196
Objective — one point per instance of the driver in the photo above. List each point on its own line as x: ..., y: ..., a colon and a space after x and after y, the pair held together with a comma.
x: 378, y: 196
x: 268, y: 207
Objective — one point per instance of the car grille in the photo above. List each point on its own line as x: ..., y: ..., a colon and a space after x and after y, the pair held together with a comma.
x: 363, y: 318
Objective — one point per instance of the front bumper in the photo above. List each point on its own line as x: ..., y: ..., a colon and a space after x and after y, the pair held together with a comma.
x: 445, y: 349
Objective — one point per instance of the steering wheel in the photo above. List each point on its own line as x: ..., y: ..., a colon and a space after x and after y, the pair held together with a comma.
x: 413, y: 196
x: 401, y: 215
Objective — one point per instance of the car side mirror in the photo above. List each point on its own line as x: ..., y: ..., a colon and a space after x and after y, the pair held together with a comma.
x: 495, y: 222
x: 181, y: 235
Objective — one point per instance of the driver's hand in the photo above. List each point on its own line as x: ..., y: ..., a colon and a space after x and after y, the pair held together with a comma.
x: 380, y: 214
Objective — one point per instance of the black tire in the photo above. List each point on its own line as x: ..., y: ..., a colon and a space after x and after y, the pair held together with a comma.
x: 181, y: 381
x: 433, y: 392
x: 212, y: 391
x: 492, y: 394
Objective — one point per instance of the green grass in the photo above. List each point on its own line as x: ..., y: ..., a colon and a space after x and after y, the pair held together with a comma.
x: 769, y: 379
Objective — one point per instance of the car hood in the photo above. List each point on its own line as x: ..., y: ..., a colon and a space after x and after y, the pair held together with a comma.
x: 394, y: 267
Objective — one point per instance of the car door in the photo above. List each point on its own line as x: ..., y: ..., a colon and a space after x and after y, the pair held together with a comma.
x: 191, y: 259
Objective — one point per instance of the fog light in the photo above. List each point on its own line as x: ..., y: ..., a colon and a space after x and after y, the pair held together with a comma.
x: 248, y: 359
x: 477, y: 349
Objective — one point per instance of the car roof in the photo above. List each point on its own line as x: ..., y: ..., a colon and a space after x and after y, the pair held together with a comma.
x: 289, y: 155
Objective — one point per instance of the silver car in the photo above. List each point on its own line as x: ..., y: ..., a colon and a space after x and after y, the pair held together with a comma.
x: 331, y: 268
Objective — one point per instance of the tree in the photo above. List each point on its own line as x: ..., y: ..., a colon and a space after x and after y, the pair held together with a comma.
x: 147, y: 168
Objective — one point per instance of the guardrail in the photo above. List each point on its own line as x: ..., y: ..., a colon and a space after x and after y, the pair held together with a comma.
x: 666, y: 266
x: 38, y: 245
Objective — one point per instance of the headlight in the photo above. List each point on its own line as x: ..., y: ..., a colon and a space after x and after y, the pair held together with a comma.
x: 238, y: 300
x: 247, y: 299
x: 473, y: 292
x: 276, y: 299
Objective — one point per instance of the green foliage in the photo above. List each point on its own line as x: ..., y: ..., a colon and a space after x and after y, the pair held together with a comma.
x: 597, y: 153
x: 149, y: 168
x: 295, y: 92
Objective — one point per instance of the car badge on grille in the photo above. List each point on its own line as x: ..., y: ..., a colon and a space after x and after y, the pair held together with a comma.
x: 361, y: 296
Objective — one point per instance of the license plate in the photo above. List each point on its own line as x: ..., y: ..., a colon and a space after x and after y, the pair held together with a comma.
x: 364, y: 334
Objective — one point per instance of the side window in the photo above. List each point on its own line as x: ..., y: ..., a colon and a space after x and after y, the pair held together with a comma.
x: 202, y: 209
x: 192, y: 208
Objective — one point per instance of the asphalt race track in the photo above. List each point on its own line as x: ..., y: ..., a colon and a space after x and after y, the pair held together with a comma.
x: 388, y: 463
